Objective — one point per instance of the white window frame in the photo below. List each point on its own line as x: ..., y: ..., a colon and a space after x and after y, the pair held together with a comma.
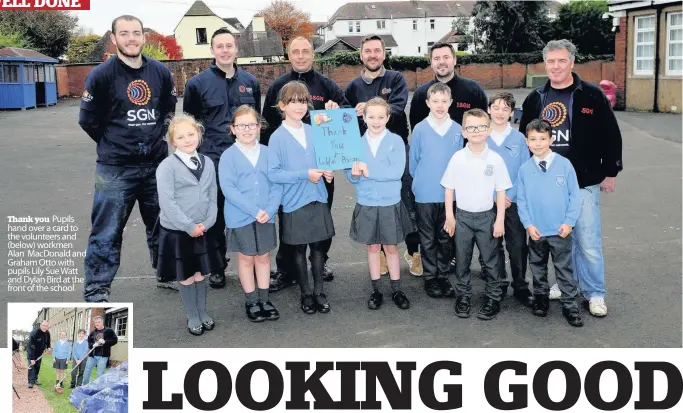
x: 432, y: 24
x: 88, y: 316
x: 381, y: 24
x: 357, y: 26
x: 636, y: 44
x: 116, y: 326
x: 668, y: 42
x: 350, y: 27
x: 414, y: 25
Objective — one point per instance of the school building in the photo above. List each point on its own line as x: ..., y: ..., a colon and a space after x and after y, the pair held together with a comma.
x: 648, y: 54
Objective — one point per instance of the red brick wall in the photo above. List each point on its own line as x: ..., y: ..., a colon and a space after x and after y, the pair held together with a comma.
x: 71, y: 78
x: 620, y: 53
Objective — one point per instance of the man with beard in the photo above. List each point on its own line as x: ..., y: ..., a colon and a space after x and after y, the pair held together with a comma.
x: 212, y: 97
x: 38, y: 342
x: 391, y: 86
x: 124, y: 106
x: 467, y: 94
x: 326, y: 95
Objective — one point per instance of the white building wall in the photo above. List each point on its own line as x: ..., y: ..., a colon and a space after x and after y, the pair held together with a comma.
x: 186, y: 35
x: 406, y: 37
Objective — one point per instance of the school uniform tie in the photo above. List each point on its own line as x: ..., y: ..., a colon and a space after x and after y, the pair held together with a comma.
x: 195, y: 161
x: 543, y: 164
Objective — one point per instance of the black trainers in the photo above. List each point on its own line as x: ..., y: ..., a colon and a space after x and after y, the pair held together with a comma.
x: 375, y: 300
x: 400, y: 300
x: 169, y: 285
x: 279, y: 280
x: 269, y: 311
x: 462, y: 307
x: 30, y: 385
x: 433, y: 289
x: 541, y: 305
x: 254, y: 312
x: 308, y: 304
x: 321, y: 303
x: 446, y: 288
x: 572, y: 316
x: 217, y: 280
x: 489, y: 310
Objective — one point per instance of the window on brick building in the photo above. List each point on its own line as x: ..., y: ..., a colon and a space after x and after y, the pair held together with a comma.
x: 121, y: 326
x: 674, y: 44
x: 644, y: 45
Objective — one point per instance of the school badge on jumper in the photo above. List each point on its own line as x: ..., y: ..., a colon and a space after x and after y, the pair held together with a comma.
x: 489, y: 170
x: 514, y: 150
x: 559, y: 179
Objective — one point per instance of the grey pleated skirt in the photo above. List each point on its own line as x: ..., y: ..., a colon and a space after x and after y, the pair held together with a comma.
x: 60, y: 364
x: 386, y: 225
x: 252, y: 239
x: 308, y: 224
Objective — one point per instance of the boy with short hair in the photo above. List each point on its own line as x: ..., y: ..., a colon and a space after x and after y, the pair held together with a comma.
x: 432, y: 144
x: 511, y: 146
x: 474, y: 173
x: 80, y: 350
x: 549, y: 204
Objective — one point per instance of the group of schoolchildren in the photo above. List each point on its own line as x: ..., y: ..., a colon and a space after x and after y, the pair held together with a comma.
x: 77, y: 352
x: 465, y: 194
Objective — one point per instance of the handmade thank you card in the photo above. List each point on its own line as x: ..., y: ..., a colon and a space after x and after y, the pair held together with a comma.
x: 336, y: 137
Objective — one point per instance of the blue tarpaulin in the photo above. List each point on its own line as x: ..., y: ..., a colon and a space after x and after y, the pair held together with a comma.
x: 107, y: 394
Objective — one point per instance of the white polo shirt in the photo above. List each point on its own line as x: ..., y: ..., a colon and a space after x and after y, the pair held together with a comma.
x: 475, y: 177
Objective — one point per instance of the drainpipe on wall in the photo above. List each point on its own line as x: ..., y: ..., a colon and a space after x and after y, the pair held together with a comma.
x: 655, y: 104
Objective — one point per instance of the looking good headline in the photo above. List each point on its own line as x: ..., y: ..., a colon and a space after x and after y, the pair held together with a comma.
x: 498, y: 385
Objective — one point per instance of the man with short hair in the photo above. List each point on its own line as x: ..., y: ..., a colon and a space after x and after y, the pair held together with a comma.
x: 467, y: 94
x: 38, y: 343
x: 101, y: 340
x: 586, y: 132
x: 212, y: 97
x: 390, y: 85
x: 326, y: 94
x: 123, y: 109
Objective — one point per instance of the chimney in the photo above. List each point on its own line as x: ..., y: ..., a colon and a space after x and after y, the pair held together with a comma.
x: 258, y: 24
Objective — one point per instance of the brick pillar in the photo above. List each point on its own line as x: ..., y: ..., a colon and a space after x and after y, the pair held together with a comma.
x: 620, y: 53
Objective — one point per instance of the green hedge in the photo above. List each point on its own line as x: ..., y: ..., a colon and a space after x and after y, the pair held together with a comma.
x: 421, y: 62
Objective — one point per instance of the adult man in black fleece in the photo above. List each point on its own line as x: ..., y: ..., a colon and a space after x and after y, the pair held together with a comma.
x: 586, y: 132
x: 38, y: 342
x: 101, y: 340
x: 391, y: 86
x: 212, y: 97
x: 124, y: 106
x: 326, y: 95
x: 467, y: 94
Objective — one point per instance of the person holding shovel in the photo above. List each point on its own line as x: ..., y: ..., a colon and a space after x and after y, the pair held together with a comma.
x: 38, y: 342
x: 103, y: 338
x: 79, y: 353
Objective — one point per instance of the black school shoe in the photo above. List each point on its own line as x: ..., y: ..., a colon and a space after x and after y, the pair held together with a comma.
x: 375, y: 300
x: 462, y: 306
x: 217, y: 280
x: 269, y: 311
x: 254, y: 312
x: 197, y: 331
x: 208, y: 325
x: 446, y: 288
x: 308, y: 304
x: 433, y: 289
x: 321, y: 303
x: 541, y: 305
x: 489, y: 310
x: 400, y: 300
x: 572, y: 316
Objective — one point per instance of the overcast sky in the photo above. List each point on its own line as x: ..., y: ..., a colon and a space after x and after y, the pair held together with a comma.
x: 164, y: 15
x: 22, y: 315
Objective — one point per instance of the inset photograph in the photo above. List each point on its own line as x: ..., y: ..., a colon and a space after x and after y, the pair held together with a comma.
x: 70, y: 358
